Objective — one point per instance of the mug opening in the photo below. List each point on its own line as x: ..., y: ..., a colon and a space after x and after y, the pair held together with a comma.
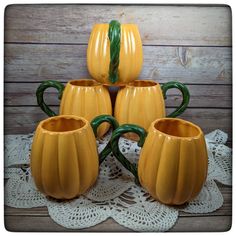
x: 122, y: 24
x: 84, y: 83
x: 142, y: 83
x: 178, y: 128
x: 63, y: 124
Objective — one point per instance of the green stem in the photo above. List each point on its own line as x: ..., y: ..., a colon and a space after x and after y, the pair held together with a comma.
x: 40, y: 94
x: 114, y: 37
x: 95, y: 123
x: 115, y: 146
x: 185, y: 93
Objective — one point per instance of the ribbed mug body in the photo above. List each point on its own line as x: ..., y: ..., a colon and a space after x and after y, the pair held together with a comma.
x: 64, y: 158
x: 173, y: 161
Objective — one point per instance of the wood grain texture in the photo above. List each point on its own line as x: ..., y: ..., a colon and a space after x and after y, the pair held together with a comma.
x: 191, y: 44
x: 186, y: 224
x: 159, y: 25
x: 203, y: 224
x: 46, y: 224
x: 219, y: 96
x: 25, y: 119
x: 192, y: 65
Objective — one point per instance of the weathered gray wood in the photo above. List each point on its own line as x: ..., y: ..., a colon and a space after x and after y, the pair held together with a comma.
x: 25, y: 119
x: 159, y: 25
x: 193, y: 65
x: 45, y: 224
x: 203, y: 224
x: 188, y: 224
x: 229, y: 143
x: 50, y: 41
x: 210, y: 119
x: 201, y: 95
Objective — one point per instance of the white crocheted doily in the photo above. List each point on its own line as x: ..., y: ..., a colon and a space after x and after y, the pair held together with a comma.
x: 115, y: 194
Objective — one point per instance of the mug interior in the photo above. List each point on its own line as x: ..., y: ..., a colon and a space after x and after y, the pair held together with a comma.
x: 177, y: 128
x: 142, y: 83
x: 84, y: 83
x: 63, y: 124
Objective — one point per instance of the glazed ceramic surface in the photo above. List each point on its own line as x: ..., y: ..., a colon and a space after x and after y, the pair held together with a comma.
x: 84, y: 97
x: 64, y: 158
x: 141, y: 102
x: 112, y: 49
x: 173, y: 161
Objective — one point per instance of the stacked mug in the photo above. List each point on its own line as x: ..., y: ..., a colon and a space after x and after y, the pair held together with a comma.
x: 64, y: 157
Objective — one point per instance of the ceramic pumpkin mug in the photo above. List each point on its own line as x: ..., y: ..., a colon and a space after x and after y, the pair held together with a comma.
x: 64, y: 158
x: 142, y: 101
x: 83, y: 97
x: 173, y: 160
x: 114, y: 53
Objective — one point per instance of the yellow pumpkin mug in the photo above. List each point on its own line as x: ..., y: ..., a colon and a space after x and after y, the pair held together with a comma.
x: 142, y: 101
x: 83, y: 97
x: 114, y: 53
x: 173, y: 160
x: 64, y: 158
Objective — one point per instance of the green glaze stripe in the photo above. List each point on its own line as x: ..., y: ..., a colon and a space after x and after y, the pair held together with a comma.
x: 95, y: 123
x: 185, y: 94
x: 40, y: 94
x: 117, y: 133
x: 114, y: 37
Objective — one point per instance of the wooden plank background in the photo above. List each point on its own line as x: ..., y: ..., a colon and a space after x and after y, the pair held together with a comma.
x: 191, y: 44
x: 159, y: 25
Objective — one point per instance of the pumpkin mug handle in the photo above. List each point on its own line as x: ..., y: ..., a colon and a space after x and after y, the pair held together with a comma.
x: 115, y: 146
x: 114, y: 33
x: 95, y: 123
x: 185, y: 93
x: 40, y: 92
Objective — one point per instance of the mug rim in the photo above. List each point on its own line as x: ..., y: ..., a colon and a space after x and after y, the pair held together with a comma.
x: 77, y: 118
x: 152, y: 83
x: 93, y: 82
x: 121, y: 24
x: 185, y: 122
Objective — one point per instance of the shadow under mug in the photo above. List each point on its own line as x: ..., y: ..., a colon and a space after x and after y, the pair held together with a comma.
x: 64, y: 158
x: 142, y: 101
x: 83, y: 97
x: 173, y: 161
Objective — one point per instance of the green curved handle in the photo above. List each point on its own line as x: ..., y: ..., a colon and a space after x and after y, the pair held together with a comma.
x: 40, y: 92
x: 114, y: 37
x: 98, y: 121
x: 185, y: 93
x: 115, y: 146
